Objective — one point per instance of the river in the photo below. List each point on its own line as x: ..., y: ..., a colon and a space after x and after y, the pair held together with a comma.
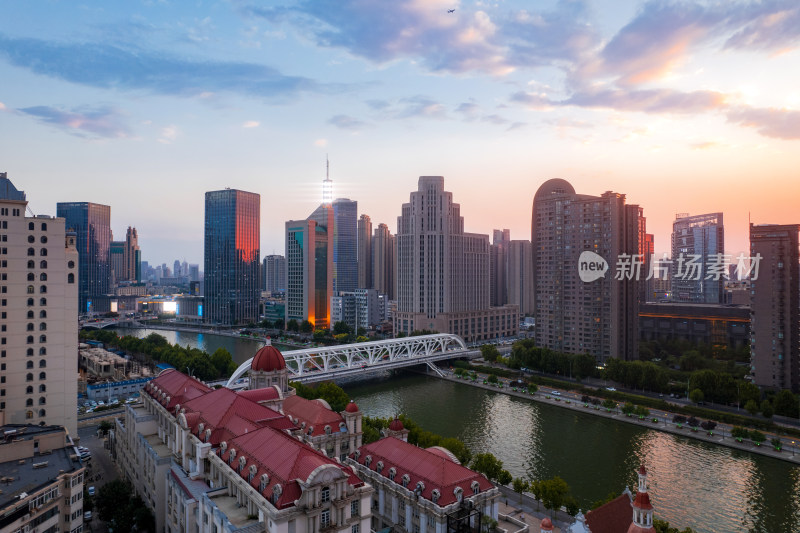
x: 696, y: 484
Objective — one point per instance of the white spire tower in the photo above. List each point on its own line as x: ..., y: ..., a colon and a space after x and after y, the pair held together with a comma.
x: 327, y: 185
x: 642, y: 508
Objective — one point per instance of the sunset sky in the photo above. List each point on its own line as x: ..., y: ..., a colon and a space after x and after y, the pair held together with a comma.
x: 686, y: 107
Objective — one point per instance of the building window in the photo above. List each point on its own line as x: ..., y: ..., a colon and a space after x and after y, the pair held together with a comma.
x: 29, y: 377
x: 30, y: 227
x: 326, y: 495
x: 70, y: 278
x: 43, y: 264
x: 392, y: 473
x: 43, y: 289
x: 31, y: 264
x: 43, y: 276
x: 29, y: 364
x: 42, y: 313
x: 30, y: 352
x: 31, y: 238
x: 29, y: 340
x: 43, y: 252
x: 30, y: 326
x: 71, y: 264
x: 355, y: 508
x: 325, y: 518
x: 30, y: 289
x: 42, y: 363
x: 42, y: 388
x: 42, y: 351
x: 42, y: 301
x: 31, y: 251
x: 30, y: 301
x: 42, y: 326
x: 29, y: 389
x: 42, y: 376
x: 30, y: 313
x: 42, y: 400
x: 355, y: 528
x: 43, y: 239
x: 42, y: 338
x: 31, y: 277
x: 42, y: 412
x: 44, y: 226
x: 28, y: 414
x: 406, y: 479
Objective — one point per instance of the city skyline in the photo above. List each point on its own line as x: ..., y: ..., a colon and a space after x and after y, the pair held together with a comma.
x: 159, y: 103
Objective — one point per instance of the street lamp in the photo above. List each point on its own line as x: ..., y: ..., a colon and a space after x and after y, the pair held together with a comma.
x: 792, y: 448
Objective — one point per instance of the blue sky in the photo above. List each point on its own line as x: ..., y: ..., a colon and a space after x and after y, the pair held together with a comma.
x: 684, y: 106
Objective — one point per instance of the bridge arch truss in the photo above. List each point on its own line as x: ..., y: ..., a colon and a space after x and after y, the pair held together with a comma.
x: 335, y: 359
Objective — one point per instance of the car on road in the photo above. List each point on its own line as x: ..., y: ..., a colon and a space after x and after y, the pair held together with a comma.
x: 87, y: 516
x: 611, y: 389
x: 555, y: 393
x: 91, y: 491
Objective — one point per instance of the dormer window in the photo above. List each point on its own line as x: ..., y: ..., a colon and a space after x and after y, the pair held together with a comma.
x: 458, y: 492
x: 252, y: 473
x: 276, y: 493
x: 327, y: 430
x: 262, y: 486
x: 379, y: 467
x: 406, y: 479
x: 242, y: 463
x: 367, y: 461
x: 231, y: 457
x: 392, y: 473
x: 435, y: 496
x: 476, y: 487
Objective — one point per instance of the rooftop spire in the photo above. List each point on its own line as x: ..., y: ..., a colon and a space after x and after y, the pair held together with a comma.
x: 327, y: 185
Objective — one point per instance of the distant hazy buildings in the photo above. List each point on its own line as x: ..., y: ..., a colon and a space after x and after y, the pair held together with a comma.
x: 384, y: 263
x: 232, y: 242
x: 443, y: 272
x: 126, y: 258
x: 274, y: 274
x: 345, y: 245
x: 39, y: 318
x: 697, y: 242
x: 92, y: 226
x: 364, y: 252
x: 775, y: 306
x: 519, y: 276
x: 599, y: 317
x: 498, y: 265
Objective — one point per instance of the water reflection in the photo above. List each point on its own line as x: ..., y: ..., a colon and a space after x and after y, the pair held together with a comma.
x: 708, y: 488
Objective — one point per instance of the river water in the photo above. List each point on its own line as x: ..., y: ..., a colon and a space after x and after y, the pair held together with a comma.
x: 706, y: 487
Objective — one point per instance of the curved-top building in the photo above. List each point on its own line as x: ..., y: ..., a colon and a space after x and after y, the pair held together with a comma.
x: 595, y: 311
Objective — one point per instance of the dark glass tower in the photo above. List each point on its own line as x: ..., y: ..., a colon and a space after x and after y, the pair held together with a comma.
x: 232, y: 240
x: 345, y: 245
x: 92, y: 225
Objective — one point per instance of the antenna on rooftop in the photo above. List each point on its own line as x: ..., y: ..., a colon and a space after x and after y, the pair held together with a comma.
x: 327, y: 185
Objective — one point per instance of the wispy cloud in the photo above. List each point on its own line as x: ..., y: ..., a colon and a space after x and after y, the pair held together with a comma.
x: 116, y: 67
x: 98, y: 122
x: 464, y: 41
x: 251, y: 124
x: 776, y: 123
x: 347, y: 122
x: 649, y: 101
x: 168, y: 134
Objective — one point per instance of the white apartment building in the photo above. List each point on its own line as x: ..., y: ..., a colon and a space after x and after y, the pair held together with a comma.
x: 38, y: 316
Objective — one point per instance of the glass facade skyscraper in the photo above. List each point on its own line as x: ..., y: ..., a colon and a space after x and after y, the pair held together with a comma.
x: 232, y: 240
x: 697, y: 240
x: 345, y: 245
x: 92, y: 226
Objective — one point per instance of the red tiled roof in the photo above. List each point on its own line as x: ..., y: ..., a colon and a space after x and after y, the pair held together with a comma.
x: 396, y: 425
x: 283, y: 458
x: 351, y: 407
x: 434, y: 470
x: 228, y: 415
x: 268, y: 359
x: 313, y: 413
x: 261, y: 395
x: 615, y: 516
x: 179, y: 387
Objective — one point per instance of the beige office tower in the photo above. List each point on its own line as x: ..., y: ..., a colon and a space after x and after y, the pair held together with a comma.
x: 383, y: 261
x: 519, y: 276
x: 38, y: 316
x: 364, y: 232
x: 589, y: 312
x: 443, y: 272
x: 775, y: 306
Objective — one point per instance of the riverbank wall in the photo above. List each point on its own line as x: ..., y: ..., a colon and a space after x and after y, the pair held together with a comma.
x: 665, y: 424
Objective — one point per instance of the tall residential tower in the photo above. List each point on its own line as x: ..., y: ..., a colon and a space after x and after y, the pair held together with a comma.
x: 39, y: 271
x: 697, y: 241
x: 599, y: 316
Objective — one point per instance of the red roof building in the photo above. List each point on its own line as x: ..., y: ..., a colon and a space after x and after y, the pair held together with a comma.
x: 616, y: 516
x: 407, y: 477
x: 172, y: 387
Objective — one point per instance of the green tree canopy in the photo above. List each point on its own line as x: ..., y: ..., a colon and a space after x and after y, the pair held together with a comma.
x: 489, y: 352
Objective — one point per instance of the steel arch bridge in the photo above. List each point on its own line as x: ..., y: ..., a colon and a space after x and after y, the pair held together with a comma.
x: 319, y: 364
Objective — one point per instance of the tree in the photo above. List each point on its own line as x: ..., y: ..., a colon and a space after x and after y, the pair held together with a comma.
x: 504, y: 478
x: 222, y: 362
x: 492, y: 378
x: 489, y: 352
x: 156, y: 339
x: 739, y: 433
x: 786, y: 404
x: 662, y: 526
x: 332, y: 393
x: 110, y: 498
x: 696, y: 396
x: 752, y: 407
x: 488, y: 465
x: 554, y: 493
x: 519, y: 486
x: 457, y: 448
x: 306, y: 327
x: 292, y: 325
x: 341, y: 327
x: 766, y: 409
x: 609, y: 404
x: 105, y: 426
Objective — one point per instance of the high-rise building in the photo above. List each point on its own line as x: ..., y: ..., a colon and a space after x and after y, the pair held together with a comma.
x: 775, y: 306
x: 309, y: 268
x: 383, y: 261
x: 194, y: 272
x: 443, y: 272
x: 498, y: 265
x: 232, y: 244
x: 92, y: 226
x: 519, y: 276
x: 697, y: 241
x: 39, y: 263
x: 274, y: 273
x: 598, y: 316
x: 364, y: 252
x: 126, y: 258
x: 117, y: 262
x: 345, y: 245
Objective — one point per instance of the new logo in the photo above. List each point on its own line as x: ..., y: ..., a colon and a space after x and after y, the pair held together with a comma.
x: 591, y: 266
